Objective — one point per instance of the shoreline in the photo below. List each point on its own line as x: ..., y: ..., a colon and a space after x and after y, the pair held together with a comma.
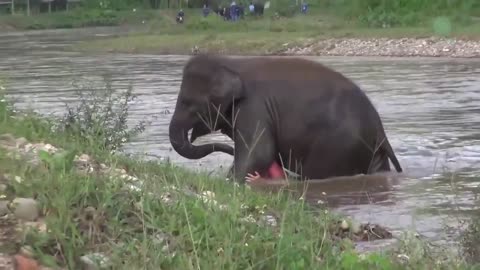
x: 430, y: 47
x: 388, y: 47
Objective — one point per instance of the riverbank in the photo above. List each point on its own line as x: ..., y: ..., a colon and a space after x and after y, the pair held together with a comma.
x: 80, y: 18
x: 320, y: 33
x: 291, y: 45
x: 65, y: 198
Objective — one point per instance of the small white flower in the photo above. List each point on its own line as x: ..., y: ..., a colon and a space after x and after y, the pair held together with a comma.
x: 208, y: 194
x: 403, y: 257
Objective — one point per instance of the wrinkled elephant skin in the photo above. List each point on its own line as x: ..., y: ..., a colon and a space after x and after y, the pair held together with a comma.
x: 298, y: 113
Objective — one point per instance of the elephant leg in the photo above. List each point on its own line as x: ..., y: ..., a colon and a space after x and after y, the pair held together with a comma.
x: 329, y: 158
x: 253, y: 153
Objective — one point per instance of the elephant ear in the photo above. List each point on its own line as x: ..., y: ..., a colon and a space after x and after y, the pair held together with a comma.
x: 227, y: 85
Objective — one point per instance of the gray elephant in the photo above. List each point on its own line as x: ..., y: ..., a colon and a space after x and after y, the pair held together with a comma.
x: 309, y: 118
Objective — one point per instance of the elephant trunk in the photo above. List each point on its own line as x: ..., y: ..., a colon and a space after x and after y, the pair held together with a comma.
x: 178, y: 134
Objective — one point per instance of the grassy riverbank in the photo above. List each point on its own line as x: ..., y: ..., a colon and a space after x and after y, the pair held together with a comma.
x: 78, y: 18
x: 324, y: 28
x: 272, y: 36
x: 147, y: 215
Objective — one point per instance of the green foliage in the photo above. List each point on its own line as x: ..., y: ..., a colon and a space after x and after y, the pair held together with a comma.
x: 100, y: 118
x: 285, y: 8
x: 470, y: 236
x: 442, y: 26
x: 115, y: 4
x: 386, y: 13
x: 61, y: 162
x: 361, y: 13
x: 80, y: 17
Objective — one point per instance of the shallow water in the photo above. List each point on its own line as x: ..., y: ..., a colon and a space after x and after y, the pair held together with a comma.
x: 430, y: 110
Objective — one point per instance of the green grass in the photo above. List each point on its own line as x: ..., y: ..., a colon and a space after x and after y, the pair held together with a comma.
x: 77, y: 18
x: 263, y: 36
x: 158, y: 32
x: 95, y: 213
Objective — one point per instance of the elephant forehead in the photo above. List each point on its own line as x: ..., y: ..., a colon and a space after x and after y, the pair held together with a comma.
x: 197, y: 79
x: 201, y: 67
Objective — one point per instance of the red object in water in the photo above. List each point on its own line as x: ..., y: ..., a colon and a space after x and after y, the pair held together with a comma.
x: 275, y: 171
x: 23, y: 263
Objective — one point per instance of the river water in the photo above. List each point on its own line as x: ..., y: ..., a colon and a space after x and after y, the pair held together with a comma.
x: 429, y: 106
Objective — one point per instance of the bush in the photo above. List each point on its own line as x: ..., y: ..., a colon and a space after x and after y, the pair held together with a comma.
x: 100, y: 118
x: 285, y: 8
x: 380, y: 13
x: 471, y: 241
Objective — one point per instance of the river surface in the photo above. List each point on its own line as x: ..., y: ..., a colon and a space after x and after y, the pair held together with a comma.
x: 430, y: 108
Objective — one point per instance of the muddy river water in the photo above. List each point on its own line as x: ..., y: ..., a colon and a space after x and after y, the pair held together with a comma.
x: 430, y: 109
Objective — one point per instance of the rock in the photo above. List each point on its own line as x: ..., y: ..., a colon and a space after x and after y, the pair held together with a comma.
x: 83, y: 163
x: 344, y: 225
x: 3, y: 188
x: 25, y: 209
x: 21, y: 142
x: 49, y: 148
x: 28, y: 147
x: 269, y: 220
x: 7, y: 139
x: 94, y: 261
x: 84, y: 158
x: 41, y: 226
x: 4, y: 208
x: 166, y: 197
x: 428, y: 47
x: 403, y: 258
x: 356, y: 227
x: 26, y: 251
x: 6, y: 262
x: 23, y: 263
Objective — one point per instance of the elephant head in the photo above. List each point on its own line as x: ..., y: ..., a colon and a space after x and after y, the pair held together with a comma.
x: 208, y: 91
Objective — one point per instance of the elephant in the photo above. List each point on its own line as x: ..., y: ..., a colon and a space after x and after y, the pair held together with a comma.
x: 299, y: 113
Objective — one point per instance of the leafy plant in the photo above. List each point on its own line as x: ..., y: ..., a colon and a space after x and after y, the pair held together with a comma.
x: 60, y: 162
x: 100, y: 118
